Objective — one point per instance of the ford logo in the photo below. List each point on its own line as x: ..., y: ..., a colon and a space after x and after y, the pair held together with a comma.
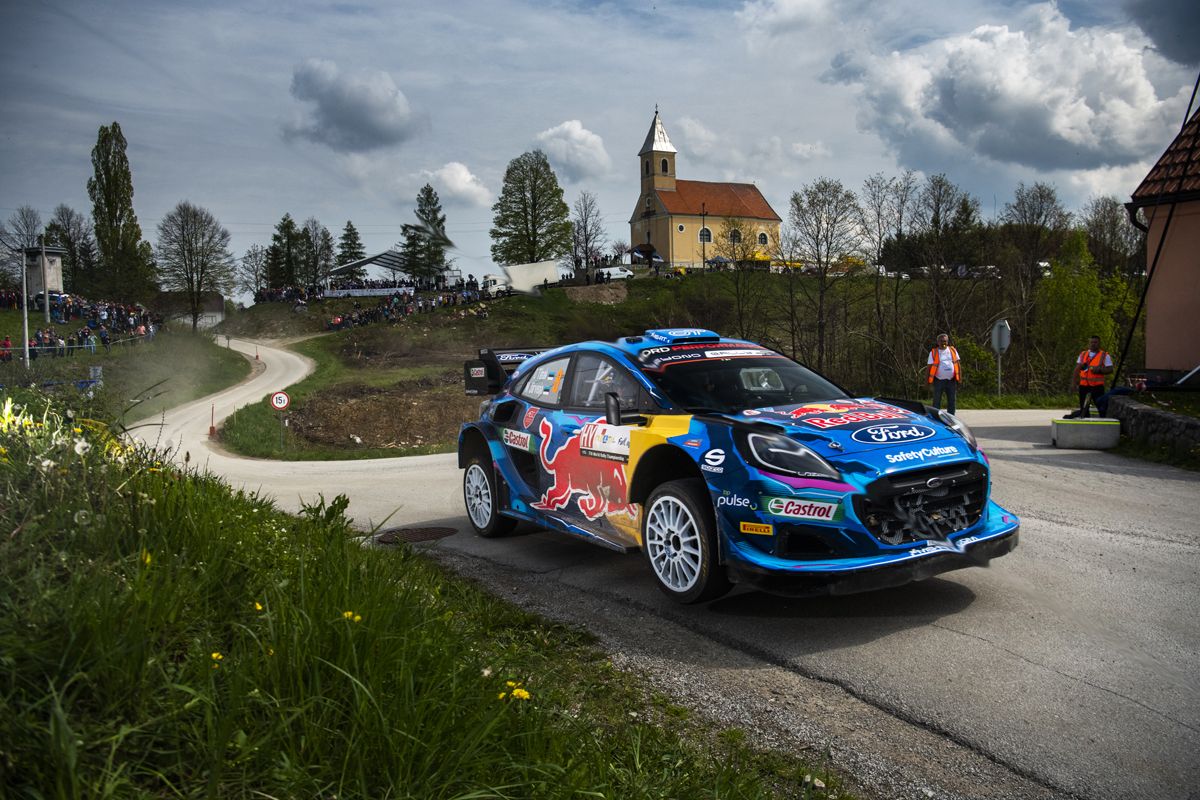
x: 892, y: 433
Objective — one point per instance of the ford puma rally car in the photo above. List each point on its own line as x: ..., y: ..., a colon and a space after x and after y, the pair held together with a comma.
x: 725, y: 462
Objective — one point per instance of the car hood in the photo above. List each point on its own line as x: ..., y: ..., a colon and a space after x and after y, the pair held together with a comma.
x: 852, y: 426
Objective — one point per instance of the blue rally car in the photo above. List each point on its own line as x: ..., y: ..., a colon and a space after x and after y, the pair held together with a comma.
x: 725, y: 462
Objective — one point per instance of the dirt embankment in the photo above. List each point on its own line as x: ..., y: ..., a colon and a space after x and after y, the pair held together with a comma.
x: 609, y: 294
x: 419, y: 414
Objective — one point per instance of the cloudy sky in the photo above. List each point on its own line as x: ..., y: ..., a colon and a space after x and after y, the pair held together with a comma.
x: 344, y: 110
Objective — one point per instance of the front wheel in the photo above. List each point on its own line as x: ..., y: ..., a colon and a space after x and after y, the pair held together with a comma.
x: 680, y: 542
x: 482, y: 500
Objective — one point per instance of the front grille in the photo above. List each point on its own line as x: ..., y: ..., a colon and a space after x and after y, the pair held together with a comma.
x: 924, y: 504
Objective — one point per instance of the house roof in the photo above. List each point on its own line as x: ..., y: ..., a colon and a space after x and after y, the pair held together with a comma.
x: 717, y: 200
x: 656, y: 139
x: 1176, y: 176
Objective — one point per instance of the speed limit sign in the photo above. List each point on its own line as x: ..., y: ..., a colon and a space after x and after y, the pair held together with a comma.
x: 280, y: 401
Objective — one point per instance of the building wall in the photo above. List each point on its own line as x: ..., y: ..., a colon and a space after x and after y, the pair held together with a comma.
x: 1173, y: 302
x: 684, y: 247
x: 33, y: 274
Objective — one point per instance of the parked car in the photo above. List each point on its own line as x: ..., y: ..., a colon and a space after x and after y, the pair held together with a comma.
x: 615, y: 273
x: 723, y: 462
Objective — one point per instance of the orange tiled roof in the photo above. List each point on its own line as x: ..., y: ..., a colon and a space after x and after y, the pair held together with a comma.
x: 1177, y: 172
x: 717, y: 200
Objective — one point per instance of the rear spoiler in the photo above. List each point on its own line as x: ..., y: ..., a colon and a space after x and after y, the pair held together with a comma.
x: 487, y: 374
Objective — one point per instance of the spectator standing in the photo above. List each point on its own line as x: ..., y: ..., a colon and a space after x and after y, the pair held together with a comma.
x: 944, y: 372
x: 1091, y: 368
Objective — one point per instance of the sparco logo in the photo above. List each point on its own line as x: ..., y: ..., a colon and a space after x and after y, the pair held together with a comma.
x: 892, y: 433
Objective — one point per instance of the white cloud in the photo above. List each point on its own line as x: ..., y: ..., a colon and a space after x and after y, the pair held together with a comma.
x: 763, y: 156
x: 456, y: 182
x: 350, y: 113
x: 775, y: 17
x: 1042, y: 96
x: 575, y: 151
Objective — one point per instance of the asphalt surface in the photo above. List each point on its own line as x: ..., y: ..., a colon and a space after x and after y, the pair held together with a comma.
x: 1067, y: 668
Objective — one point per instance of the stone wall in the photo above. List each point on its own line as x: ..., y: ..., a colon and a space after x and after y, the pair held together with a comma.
x: 1153, y: 426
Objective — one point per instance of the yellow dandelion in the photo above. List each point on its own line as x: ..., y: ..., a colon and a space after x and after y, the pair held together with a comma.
x: 146, y: 558
x: 347, y: 615
x: 77, y: 430
x: 257, y: 606
x: 520, y: 694
x: 358, y: 617
x: 216, y: 656
x: 153, y: 469
x: 511, y: 684
x: 501, y: 696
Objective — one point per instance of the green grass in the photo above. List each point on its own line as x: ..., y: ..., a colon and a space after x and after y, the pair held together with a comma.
x: 141, y: 380
x: 164, y: 636
x: 1053, y: 401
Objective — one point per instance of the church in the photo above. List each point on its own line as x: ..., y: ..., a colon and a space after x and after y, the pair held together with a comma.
x: 678, y: 221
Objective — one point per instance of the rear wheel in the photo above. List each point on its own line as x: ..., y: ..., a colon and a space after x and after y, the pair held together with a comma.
x: 680, y: 542
x: 482, y: 499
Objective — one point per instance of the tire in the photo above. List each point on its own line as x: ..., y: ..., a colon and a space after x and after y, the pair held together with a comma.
x: 680, y: 542
x: 482, y: 500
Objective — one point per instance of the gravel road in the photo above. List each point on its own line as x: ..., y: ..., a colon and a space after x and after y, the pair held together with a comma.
x: 1067, y: 669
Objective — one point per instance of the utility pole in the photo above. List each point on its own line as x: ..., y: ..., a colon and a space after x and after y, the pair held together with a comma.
x: 703, y: 241
x: 25, y: 307
x: 45, y: 285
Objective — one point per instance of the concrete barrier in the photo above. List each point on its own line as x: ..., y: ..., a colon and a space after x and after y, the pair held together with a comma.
x: 1099, y: 433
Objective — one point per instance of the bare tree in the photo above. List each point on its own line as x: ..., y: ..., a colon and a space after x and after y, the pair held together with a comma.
x: 23, y: 230
x: 72, y: 231
x: 1112, y: 239
x: 824, y: 217
x: 587, y: 231
x: 193, y: 255
x: 904, y: 192
x: 251, y: 270
x: 744, y: 285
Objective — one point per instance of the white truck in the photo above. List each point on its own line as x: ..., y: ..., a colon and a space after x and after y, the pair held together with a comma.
x: 524, y: 278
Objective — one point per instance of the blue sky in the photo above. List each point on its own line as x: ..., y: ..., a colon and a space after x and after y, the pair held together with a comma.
x: 343, y: 111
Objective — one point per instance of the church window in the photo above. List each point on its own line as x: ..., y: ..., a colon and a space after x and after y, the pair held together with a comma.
x: 681, y: 228
x: 664, y: 166
x: 762, y: 239
x: 646, y: 166
x: 647, y: 237
x: 705, y: 235
x: 649, y: 203
x: 735, y: 236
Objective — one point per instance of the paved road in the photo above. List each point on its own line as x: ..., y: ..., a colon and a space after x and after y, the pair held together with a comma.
x: 1071, y: 663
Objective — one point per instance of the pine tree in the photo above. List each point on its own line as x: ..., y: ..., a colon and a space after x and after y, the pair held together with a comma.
x: 126, y: 261
x: 531, y: 218
x: 425, y: 243
x: 350, y: 246
x: 283, y: 256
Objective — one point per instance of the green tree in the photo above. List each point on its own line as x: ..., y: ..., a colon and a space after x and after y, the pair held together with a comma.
x: 283, y: 255
x: 1070, y: 307
x: 316, y: 253
x: 127, y: 269
x: 425, y: 243
x: 350, y: 249
x: 531, y: 218
x: 193, y: 256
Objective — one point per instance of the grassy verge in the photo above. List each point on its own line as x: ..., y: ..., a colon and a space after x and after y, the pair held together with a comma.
x: 1131, y: 448
x: 164, y: 636
x: 141, y: 380
x: 1052, y: 401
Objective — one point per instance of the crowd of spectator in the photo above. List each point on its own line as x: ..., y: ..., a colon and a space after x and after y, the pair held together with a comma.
x: 80, y: 326
x: 400, y: 305
x: 288, y: 294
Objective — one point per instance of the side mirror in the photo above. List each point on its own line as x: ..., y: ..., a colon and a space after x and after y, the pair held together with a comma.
x: 612, y: 409
x: 612, y: 412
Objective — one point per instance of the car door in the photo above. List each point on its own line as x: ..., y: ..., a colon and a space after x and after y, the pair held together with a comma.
x: 585, y: 459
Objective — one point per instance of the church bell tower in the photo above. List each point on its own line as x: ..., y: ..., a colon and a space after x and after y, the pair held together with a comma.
x: 657, y: 160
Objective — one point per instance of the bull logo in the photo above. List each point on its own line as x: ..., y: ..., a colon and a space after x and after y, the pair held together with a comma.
x: 601, y: 483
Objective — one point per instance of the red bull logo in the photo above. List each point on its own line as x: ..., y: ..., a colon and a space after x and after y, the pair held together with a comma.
x: 600, y: 484
x: 827, y: 408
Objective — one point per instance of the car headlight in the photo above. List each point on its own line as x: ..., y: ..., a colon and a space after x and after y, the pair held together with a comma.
x: 781, y: 454
x: 958, y: 426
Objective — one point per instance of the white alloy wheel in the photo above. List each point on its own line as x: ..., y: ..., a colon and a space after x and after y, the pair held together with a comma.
x: 673, y: 544
x: 477, y: 493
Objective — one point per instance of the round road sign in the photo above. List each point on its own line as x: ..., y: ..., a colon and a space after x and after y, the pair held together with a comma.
x: 280, y: 401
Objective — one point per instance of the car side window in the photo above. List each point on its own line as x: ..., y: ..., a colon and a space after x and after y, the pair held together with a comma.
x: 544, y: 386
x: 594, y: 377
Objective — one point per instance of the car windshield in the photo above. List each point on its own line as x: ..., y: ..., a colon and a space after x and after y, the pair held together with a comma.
x: 734, y: 384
